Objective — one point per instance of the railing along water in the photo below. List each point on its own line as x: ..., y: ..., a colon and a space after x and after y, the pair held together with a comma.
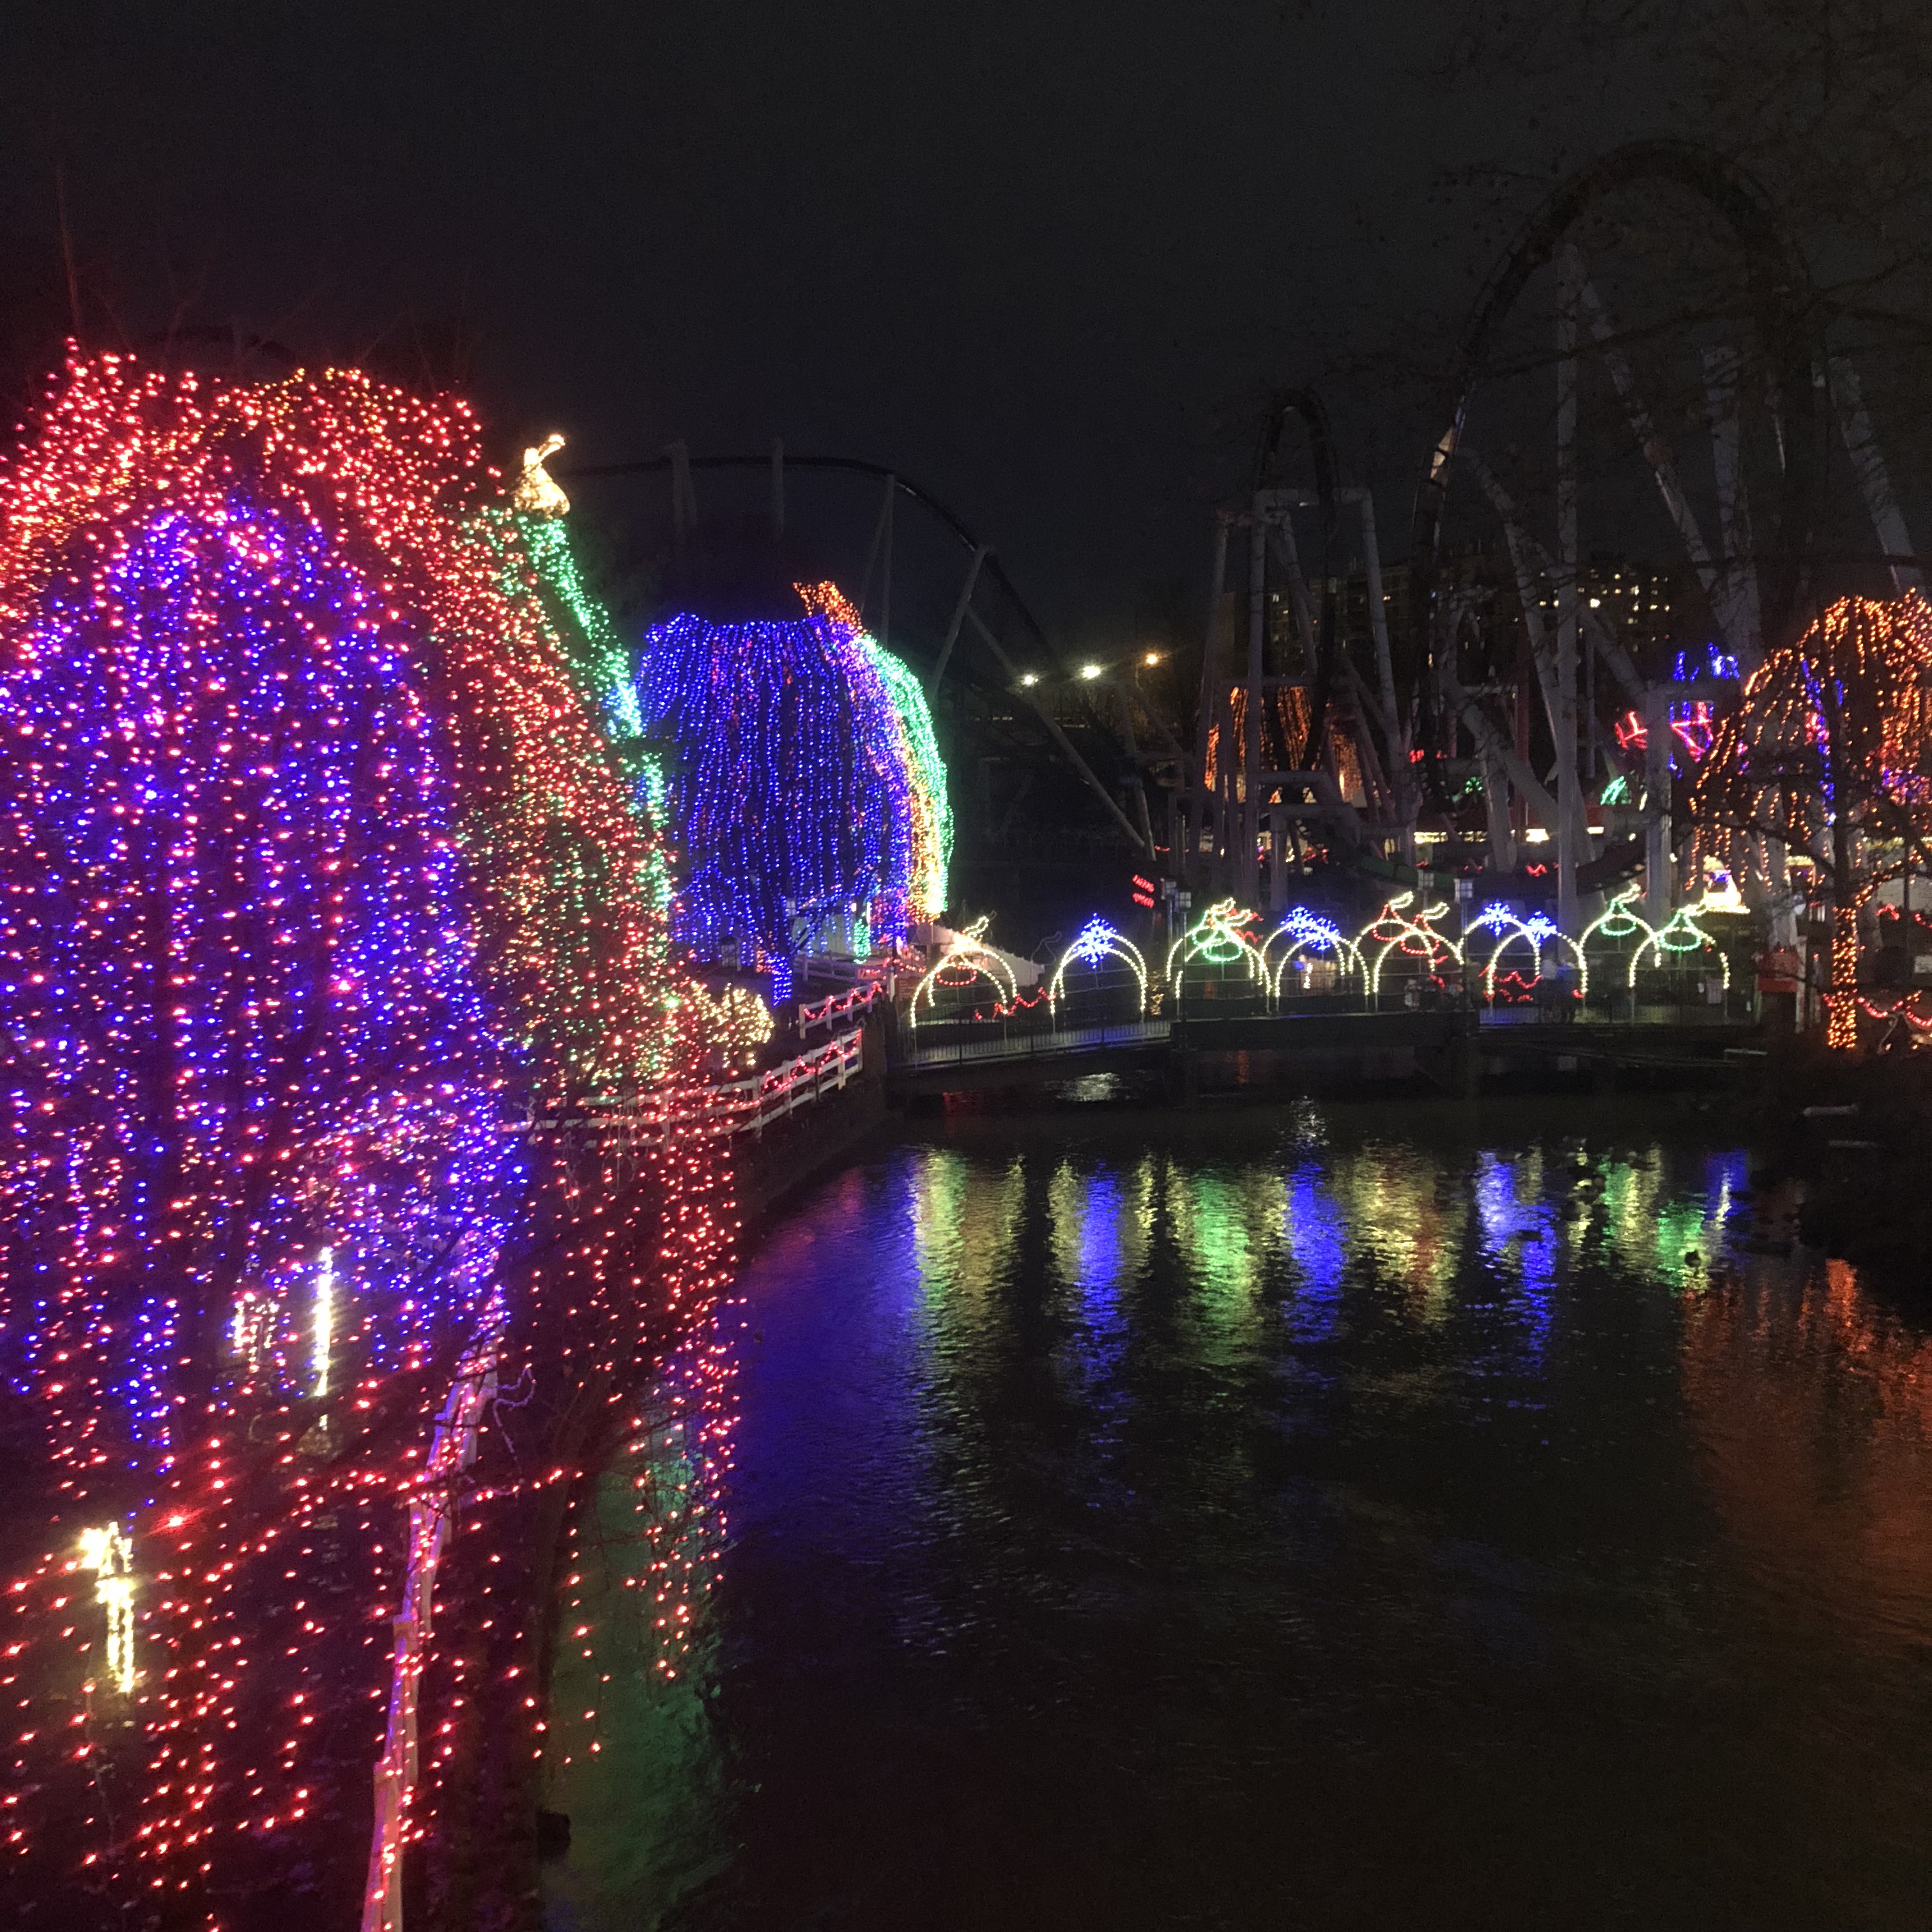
x: 815, y: 1013
x: 747, y: 1104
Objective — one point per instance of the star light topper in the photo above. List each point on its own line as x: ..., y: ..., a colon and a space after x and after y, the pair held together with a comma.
x: 536, y: 493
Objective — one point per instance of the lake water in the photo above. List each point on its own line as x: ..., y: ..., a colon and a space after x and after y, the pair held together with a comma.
x: 1381, y: 1516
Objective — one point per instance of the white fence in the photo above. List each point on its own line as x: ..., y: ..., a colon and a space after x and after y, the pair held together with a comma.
x: 813, y: 1014
x: 746, y: 1106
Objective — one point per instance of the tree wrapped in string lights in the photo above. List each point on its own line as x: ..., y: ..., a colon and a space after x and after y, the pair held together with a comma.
x: 308, y: 856
x: 1830, y: 757
x: 803, y: 782
x: 318, y: 870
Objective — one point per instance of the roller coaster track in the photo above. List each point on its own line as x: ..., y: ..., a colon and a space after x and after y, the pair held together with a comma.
x: 1782, y: 303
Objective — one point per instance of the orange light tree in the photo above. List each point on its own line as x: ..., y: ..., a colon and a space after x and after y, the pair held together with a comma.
x: 1830, y: 756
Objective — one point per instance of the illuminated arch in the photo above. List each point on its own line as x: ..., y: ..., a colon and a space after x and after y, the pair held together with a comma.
x: 968, y: 949
x: 1389, y: 926
x: 1618, y: 920
x: 1096, y: 941
x: 1681, y: 934
x: 1309, y: 931
x: 1536, y: 933
x: 1216, y: 936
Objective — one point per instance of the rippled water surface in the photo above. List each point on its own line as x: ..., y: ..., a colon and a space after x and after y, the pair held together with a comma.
x: 1336, y: 1515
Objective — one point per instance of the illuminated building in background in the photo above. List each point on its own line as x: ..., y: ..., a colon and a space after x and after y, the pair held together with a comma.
x: 801, y: 782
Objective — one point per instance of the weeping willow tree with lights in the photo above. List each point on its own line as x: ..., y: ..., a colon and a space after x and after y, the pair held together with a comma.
x: 1830, y: 757
x: 310, y: 856
x: 804, y: 781
x: 319, y: 871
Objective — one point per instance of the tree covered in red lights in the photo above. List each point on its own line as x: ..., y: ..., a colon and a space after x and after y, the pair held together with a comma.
x: 1830, y: 751
x: 1830, y: 757
x: 312, y: 864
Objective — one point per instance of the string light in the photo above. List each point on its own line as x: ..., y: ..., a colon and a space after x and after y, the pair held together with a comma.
x: 915, y: 745
x: 1693, y: 724
x: 325, y: 1317
x: 1219, y: 938
x: 1682, y: 934
x: 108, y: 1552
x: 1417, y: 937
x: 537, y: 494
x: 1828, y: 755
x: 1308, y: 931
x: 1619, y: 920
x: 1538, y: 932
x: 736, y: 1019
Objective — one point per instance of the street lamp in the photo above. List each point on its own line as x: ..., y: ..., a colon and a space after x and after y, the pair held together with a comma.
x: 1090, y: 671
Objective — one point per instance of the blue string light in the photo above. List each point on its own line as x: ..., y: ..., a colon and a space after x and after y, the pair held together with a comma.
x: 799, y: 781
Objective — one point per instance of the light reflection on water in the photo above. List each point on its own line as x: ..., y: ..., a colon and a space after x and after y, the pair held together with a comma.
x: 1350, y: 1516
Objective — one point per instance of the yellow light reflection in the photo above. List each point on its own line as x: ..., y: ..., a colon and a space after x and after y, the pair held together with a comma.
x: 966, y: 1221
x: 324, y: 1319
x: 1812, y: 1424
x: 109, y: 1552
x: 1399, y: 1213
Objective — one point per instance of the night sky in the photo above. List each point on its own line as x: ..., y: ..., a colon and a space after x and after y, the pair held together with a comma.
x: 1045, y: 259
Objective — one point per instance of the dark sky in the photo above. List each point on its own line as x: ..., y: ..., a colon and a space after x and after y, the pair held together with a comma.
x: 1046, y: 258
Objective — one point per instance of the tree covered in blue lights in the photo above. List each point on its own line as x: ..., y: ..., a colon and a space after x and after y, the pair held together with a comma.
x: 799, y: 779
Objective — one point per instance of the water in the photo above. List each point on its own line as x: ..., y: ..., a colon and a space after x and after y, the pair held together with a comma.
x: 1337, y: 1516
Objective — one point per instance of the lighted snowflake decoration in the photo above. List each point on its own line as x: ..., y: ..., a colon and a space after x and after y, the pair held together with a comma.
x: 1310, y: 928
x: 1094, y: 940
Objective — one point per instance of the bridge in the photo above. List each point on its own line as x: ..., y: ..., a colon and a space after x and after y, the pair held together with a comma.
x: 1403, y: 995
x: 1454, y: 1047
